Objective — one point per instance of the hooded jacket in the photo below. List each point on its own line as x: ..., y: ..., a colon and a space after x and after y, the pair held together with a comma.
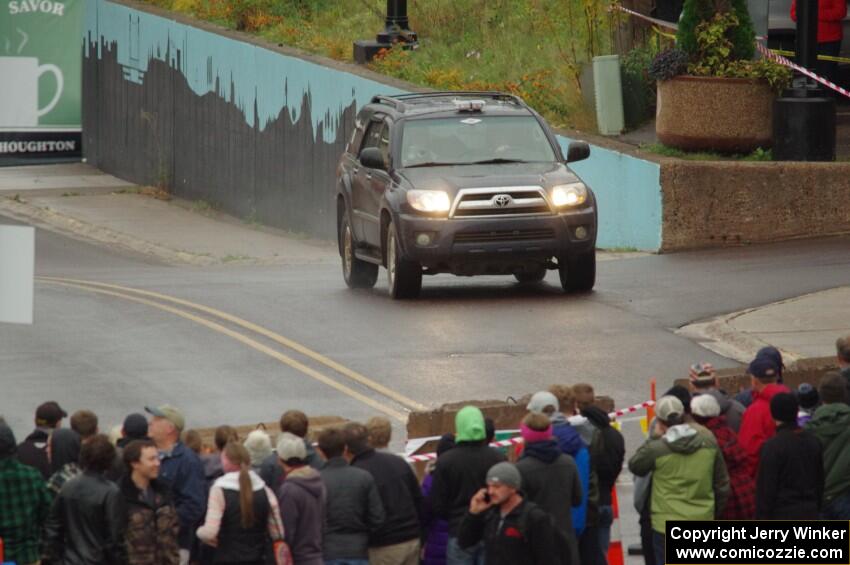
x: 830, y: 14
x: 303, y: 499
x: 689, y: 479
x: 272, y: 474
x: 757, y: 425
x: 790, y: 476
x: 33, y: 451
x: 607, y: 452
x: 730, y: 408
x: 831, y: 425
x: 400, y: 494
x: 462, y: 470
x: 65, y: 454
x: 550, y: 480
x: 570, y: 442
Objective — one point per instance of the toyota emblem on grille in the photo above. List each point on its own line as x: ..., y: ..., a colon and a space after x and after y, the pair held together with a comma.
x: 502, y: 200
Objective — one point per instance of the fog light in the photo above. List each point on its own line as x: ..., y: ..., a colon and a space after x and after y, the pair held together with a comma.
x: 423, y: 239
x: 581, y: 232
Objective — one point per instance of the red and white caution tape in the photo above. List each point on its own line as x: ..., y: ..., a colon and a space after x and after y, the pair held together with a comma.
x: 656, y: 21
x: 425, y: 457
x: 802, y: 70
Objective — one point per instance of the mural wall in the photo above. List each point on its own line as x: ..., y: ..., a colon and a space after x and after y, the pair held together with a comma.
x: 258, y: 133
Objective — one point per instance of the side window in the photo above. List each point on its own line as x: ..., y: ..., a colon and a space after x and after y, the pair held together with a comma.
x: 373, y: 135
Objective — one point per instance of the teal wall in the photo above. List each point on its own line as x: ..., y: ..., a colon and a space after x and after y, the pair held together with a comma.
x: 189, y: 78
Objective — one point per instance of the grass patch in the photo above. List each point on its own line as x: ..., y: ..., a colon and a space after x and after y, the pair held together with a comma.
x: 532, y: 48
x: 665, y: 151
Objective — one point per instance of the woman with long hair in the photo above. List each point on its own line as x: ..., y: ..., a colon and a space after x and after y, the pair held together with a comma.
x: 243, y: 518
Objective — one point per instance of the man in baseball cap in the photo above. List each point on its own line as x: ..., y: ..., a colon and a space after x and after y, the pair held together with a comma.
x: 514, y: 530
x: 757, y: 425
x: 181, y: 469
x: 33, y: 450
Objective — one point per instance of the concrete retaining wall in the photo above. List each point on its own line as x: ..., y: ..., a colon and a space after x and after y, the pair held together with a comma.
x: 256, y: 130
x: 717, y: 203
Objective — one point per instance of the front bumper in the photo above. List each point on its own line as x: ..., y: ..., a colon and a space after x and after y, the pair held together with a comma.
x: 496, y: 245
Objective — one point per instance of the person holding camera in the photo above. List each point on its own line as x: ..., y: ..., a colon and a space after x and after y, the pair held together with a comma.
x: 689, y: 477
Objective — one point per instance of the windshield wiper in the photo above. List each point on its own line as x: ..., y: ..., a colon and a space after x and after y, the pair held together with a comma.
x: 497, y: 161
x: 433, y: 164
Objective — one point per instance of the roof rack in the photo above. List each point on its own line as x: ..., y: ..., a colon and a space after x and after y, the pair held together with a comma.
x: 397, y: 101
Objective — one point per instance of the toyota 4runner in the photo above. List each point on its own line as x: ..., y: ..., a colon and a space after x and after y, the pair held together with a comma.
x: 463, y: 183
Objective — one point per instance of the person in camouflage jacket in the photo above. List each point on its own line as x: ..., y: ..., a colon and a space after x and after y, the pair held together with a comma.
x: 152, y: 522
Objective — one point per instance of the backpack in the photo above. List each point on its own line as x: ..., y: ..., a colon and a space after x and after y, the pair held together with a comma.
x: 563, y: 548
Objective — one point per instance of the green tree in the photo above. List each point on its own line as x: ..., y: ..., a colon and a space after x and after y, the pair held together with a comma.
x: 696, y: 12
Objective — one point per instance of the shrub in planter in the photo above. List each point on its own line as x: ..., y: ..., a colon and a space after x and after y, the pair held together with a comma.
x: 638, y: 86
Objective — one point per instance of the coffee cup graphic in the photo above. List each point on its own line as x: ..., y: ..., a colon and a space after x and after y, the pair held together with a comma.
x: 19, y: 93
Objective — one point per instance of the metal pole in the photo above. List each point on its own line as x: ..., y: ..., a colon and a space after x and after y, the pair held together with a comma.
x: 807, y: 33
x: 397, y: 14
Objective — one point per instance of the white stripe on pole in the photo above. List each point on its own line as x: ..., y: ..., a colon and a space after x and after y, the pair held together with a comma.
x: 17, y: 264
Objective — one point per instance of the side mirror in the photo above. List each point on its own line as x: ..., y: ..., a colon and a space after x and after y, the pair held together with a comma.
x: 577, y: 151
x: 372, y: 158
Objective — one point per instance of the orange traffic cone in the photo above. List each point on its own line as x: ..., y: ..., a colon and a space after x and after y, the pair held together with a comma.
x: 615, y: 546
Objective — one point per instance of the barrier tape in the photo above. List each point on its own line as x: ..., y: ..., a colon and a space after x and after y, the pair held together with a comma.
x: 820, y: 57
x: 425, y: 457
x: 770, y: 54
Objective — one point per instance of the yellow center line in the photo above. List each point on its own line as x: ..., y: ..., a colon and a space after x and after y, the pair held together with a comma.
x: 286, y: 342
x: 286, y: 360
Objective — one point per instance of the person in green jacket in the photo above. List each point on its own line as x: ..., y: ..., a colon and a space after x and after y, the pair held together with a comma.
x: 831, y: 425
x: 689, y: 478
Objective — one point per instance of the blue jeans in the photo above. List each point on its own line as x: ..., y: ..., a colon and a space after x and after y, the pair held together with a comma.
x: 347, y: 562
x: 455, y: 555
x: 606, y: 518
x: 658, y: 545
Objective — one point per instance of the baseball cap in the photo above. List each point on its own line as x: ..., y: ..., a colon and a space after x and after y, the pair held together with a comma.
x: 290, y: 446
x: 505, y: 474
x: 170, y: 413
x: 763, y: 368
x: 135, y: 426
x: 705, y: 406
x: 542, y: 400
x: 669, y: 407
x: 49, y: 413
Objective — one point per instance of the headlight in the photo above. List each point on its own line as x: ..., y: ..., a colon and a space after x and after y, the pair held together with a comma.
x: 573, y: 194
x: 429, y: 200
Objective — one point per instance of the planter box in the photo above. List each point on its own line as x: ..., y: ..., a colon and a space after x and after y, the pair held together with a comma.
x: 732, y: 115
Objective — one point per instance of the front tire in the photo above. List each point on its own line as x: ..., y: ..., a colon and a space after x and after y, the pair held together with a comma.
x: 404, y: 278
x: 578, y: 272
x: 357, y: 273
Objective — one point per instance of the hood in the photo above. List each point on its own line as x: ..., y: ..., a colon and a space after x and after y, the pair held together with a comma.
x: 230, y: 481
x: 469, y: 424
x: 569, y: 440
x: 308, y: 479
x: 583, y: 426
x: 597, y: 416
x: 454, y: 178
x: 64, y: 448
x: 769, y: 392
x: 829, y: 421
x: 682, y: 439
x: 546, y: 451
x: 7, y: 441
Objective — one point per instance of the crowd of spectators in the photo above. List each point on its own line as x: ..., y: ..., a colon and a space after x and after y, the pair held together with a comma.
x: 152, y: 493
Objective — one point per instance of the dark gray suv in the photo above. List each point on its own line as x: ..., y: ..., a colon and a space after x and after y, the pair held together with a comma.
x: 464, y: 183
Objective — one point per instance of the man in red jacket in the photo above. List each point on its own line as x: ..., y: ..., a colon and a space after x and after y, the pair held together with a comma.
x: 830, y: 33
x: 757, y: 425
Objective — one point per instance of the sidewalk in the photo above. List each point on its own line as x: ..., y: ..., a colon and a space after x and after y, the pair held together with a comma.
x: 802, y: 327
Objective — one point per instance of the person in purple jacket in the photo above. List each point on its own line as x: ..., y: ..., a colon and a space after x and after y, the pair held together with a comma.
x: 437, y: 529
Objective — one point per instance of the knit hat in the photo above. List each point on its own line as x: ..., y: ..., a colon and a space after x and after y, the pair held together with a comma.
x: 783, y: 408
x: 807, y: 395
x: 8, y: 445
x: 504, y: 473
x: 832, y: 388
x: 291, y: 447
x: 669, y: 408
x: 683, y: 394
x: 530, y: 435
x: 135, y: 426
x: 705, y: 406
x: 542, y: 400
x: 259, y: 446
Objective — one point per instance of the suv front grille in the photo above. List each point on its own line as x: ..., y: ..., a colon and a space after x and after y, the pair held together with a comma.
x: 503, y: 201
x: 504, y: 235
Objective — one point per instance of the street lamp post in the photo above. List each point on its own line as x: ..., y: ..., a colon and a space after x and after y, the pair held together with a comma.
x: 804, y: 117
x: 396, y: 32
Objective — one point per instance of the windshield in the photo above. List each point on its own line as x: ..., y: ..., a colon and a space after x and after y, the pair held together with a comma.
x: 474, y: 138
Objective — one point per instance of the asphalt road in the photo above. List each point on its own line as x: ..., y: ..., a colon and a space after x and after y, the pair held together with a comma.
x: 464, y: 339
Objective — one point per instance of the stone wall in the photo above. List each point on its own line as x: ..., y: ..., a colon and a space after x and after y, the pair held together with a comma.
x: 712, y: 204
